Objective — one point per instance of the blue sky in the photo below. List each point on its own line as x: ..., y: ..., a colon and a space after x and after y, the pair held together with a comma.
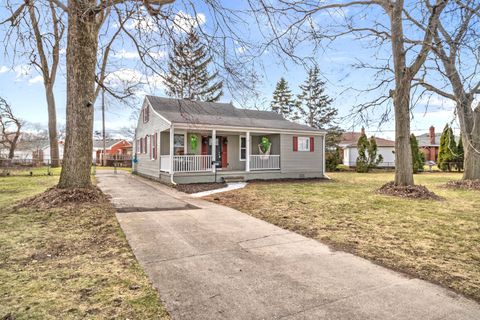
x: 23, y: 87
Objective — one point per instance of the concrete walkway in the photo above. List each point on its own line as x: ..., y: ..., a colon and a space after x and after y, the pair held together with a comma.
x: 213, y: 262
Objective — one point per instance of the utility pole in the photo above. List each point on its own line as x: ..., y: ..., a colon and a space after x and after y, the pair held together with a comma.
x: 104, y: 161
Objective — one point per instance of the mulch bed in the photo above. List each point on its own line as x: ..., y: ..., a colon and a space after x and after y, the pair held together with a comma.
x: 464, y: 184
x: 199, y: 187
x: 410, y: 192
x: 288, y: 180
x: 55, y: 197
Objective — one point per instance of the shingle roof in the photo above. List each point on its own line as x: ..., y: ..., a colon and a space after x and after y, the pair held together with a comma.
x: 350, y: 139
x: 98, y: 144
x: 424, y: 140
x: 224, y: 114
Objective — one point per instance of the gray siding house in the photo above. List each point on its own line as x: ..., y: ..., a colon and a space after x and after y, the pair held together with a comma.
x: 182, y: 141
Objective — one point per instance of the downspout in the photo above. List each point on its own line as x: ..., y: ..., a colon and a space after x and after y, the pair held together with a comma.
x: 324, y: 160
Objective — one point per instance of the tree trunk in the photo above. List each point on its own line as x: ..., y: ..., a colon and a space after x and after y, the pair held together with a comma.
x: 401, y: 100
x: 82, y: 45
x: 52, y: 127
x: 471, y: 144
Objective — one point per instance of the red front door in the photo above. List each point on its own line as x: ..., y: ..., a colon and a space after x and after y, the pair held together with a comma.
x: 221, y: 149
x: 224, y: 152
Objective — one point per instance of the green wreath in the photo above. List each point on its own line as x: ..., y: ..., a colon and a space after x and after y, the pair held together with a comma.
x: 193, y: 141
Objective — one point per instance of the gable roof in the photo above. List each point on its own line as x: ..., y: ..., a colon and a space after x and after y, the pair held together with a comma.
x: 98, y: 144
x: 350, y: 139
x: 424, y: 140
x: 222, y: 114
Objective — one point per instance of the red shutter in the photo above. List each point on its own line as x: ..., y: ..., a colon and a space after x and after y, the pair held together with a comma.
x: 312, y: 144
x: 295, y: 143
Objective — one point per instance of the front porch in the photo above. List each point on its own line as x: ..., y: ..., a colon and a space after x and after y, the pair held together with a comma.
x: 193, y: 151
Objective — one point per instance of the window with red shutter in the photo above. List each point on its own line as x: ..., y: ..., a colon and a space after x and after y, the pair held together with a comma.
x: 155, y: 147
x: 312, y: 144
x: 295, y: 143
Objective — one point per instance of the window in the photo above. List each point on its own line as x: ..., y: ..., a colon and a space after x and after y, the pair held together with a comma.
x: 146, y: 114
x: 303, y: 144
x: 153, y: 139
x: 243, y: 148
x: 145, y: 144
x: 179, y: 144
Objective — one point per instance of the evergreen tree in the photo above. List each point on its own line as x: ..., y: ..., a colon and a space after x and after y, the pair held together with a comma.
x: 283, y: 102
x: 460, y: 158
x: 418, y: 158
x: 188, y: 72
x: 448, y: 149
x: 367, y: 154
x: 313, y: 104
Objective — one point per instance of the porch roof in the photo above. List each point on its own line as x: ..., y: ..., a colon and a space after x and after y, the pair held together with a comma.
x: 221, y: 114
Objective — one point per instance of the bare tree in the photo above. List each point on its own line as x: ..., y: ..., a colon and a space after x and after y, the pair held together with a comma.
x: 37, y: 28
x: 152, y: 25
x: 289, y: 21
x: 456, y: 47
x: 10, y: 127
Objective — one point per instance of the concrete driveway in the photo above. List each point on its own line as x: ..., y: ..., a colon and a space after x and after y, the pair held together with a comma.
x: 212, y: 262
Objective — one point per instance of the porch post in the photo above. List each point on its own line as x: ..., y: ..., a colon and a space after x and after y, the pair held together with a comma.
x: 171, y: 149
x: 214, y: 149
x: 247, y: 151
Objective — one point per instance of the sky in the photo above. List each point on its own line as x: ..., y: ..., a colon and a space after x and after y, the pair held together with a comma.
x: 22, y: 85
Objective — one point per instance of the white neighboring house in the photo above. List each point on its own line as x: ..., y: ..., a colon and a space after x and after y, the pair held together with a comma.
x: 349, y: 150
x: 29, y: 150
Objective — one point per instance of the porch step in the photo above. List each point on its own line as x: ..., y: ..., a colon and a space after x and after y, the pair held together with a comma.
x: 234, y: 179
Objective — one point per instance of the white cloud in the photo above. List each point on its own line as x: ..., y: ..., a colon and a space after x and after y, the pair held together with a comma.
x: 240, y: 49
x: 124, y: 54
x: 129, y: 77
x: 4, y: 69
x: 183, y: 22
x: 36, y: 79
x: 143, y: 23
x: 437, y: 102
x: 22, y: 70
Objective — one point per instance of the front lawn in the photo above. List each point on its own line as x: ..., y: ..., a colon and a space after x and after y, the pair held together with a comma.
x: 67, y: 263
x: 433, y: 240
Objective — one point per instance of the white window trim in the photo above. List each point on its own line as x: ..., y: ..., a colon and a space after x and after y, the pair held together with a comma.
x: 240, y: 148
x: 153, y: 142
x: 299, y: 144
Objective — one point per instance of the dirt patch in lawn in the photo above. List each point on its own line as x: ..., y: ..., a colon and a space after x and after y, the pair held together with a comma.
x: 55, y: 197
x: 411, y: 192
x: 200, y: 187
x: 464, y: 184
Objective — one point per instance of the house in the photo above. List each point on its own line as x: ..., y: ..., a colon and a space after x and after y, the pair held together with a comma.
x: 119, y: 150
x: 429, y: 144
x: 182, y: 141
x: 37, y: 150
x: 349, y: 151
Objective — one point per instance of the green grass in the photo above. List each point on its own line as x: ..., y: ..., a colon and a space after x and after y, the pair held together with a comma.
x: 67, y: 263
x: 434, y: 240
x: 46, y: 171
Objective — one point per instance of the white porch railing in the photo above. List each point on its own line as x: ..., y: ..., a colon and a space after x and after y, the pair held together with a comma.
x: 165, y: 163
x: 192, y: 163
x: 261, y: 162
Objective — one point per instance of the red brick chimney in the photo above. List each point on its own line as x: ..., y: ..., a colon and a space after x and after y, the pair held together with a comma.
x: 363, y: 131
x: 432, y: 135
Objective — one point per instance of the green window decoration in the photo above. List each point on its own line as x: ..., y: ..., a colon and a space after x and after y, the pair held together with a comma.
x: 265, y: 144
x: 193, y: 141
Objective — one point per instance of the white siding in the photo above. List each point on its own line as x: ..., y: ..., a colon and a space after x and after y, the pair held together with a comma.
x: 351, y: 154
x: 145, y: 165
